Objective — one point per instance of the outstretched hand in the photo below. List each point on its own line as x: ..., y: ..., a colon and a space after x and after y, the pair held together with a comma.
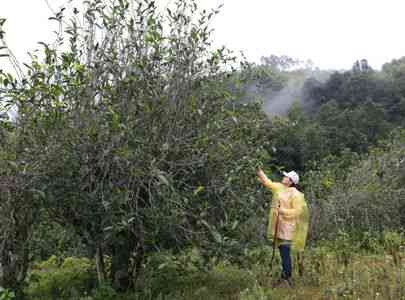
x: 259, y: 172
x: 261, y: 176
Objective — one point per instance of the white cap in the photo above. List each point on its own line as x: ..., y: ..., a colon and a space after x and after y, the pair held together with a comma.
x: 293, y: 176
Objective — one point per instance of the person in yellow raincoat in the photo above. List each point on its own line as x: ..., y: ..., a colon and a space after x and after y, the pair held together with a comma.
x: 288, y: 218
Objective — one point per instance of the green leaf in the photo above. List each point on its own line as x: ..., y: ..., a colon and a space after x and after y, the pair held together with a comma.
x: 163, y: 179
x: 13, y: 164
x: 198, y: 190
x: 217, y: 236
x: 235, y: 224
x: 38, y: 192
x: 108, y: 228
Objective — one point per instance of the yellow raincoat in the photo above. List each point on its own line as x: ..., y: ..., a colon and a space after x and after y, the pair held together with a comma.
x: 294, y: 216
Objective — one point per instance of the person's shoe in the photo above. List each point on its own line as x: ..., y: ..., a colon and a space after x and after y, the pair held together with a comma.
x: 289, y: 282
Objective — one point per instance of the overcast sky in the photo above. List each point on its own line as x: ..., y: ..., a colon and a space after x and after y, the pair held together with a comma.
x: 333, y: 33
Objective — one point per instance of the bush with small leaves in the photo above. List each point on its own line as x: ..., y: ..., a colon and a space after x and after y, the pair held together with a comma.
x: 6, y: 294
x: 61, y: 278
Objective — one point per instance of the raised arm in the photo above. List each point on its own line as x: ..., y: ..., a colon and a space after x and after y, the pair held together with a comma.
x: 265, y: 180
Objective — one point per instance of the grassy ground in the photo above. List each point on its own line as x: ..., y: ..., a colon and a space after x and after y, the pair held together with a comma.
x: 365, y: 277
x: 325, y: 276
x: 337, y: 270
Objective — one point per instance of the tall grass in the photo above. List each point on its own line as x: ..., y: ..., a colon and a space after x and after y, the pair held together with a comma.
x: 371, y: 267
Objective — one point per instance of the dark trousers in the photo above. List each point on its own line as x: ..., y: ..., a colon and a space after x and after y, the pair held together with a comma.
x: 285, y: 260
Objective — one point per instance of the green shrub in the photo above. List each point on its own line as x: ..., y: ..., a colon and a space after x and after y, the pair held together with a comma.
x: 6, y: 294
x: 371, y: 242
x: 61, y: 279
x: 258, y: 256
x: 166, y: 272
x: 319, y: 258
x: 393, y: 242
x: 345, y: 247
x: 227, y: 279
x: 104, y: 292
x: 186, y: 276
